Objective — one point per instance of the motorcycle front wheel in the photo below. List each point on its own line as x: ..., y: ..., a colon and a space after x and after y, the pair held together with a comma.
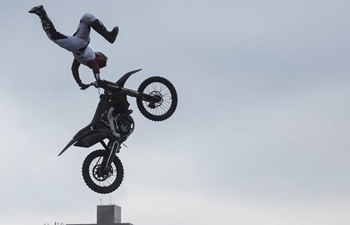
x: 100, y: 181
x: 165, y: 90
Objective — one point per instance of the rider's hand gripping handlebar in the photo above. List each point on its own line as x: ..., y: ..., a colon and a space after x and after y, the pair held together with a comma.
x: 99, y: 84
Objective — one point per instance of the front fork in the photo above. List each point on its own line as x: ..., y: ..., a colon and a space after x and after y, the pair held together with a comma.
x: 111, y: 152
x: 113, y: 146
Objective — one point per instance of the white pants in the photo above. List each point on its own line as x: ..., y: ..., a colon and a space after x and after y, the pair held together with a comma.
x: 77, y: 44
x: 81, y: 37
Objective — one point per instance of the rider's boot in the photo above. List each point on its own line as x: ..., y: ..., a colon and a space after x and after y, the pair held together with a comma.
x: 36, y: 9
x: 45, y: 20
x: 110, y: 36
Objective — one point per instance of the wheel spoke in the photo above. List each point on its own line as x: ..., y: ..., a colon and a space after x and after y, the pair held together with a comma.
x: 166, y: 98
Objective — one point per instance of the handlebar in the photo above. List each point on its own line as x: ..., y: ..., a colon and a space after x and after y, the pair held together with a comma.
x: 104, y: 84
x: 110, y: 86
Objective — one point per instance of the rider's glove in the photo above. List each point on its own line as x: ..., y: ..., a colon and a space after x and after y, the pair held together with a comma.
x: 83, y: 86
x: 101, y: 83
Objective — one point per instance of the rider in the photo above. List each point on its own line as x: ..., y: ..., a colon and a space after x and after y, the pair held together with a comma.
x: 78, y: 43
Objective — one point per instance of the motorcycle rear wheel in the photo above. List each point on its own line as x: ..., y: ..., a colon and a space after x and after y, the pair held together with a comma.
x: 98, y: 181
x: 161, y: 87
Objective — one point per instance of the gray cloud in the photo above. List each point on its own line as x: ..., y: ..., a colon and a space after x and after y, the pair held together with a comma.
x: 260, y: 135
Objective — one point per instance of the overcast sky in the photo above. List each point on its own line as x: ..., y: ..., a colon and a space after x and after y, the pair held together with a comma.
x: 260, y: 136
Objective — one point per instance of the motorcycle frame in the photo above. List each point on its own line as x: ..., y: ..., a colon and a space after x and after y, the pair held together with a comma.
x: 118, y: 86
x: 133, y: 93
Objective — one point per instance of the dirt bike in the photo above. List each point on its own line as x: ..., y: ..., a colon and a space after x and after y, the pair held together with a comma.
x: 112, y: 124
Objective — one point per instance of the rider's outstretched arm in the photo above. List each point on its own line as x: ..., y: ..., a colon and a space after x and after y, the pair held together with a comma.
x: 91, y: 64
x: 75, y: 72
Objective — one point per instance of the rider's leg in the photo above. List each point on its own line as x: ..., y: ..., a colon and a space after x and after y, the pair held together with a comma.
x: 110, y: 36
x: 72, y: 44
x: 88, y: 20
x: 47, y: 24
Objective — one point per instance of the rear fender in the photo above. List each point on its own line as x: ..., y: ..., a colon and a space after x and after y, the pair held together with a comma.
x: 126, y: 76
x: 82, y: 133
x: 67, y: 146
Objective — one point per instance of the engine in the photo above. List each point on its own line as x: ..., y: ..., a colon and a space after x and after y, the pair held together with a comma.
x: 126, y: 126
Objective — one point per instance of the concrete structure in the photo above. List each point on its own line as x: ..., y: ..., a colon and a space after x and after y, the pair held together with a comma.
x: 108, y: 215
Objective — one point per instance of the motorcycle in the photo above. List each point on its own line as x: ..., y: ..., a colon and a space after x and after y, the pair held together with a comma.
x: 112, y: 124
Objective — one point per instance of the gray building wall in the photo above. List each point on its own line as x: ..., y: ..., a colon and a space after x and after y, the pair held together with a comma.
x: 108, y: 215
